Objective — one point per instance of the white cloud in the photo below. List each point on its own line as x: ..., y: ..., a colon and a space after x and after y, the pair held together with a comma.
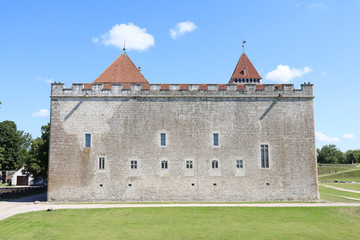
x: 135, y: 38
x: 283, y: 73
x: 348, y: 136
x: 45, y: 80
x: 95, y: 40
x: 323, y: 73
x: 324, y: 138
x: 41, y: 113
x: 182, y: 28
x: 317, y: 5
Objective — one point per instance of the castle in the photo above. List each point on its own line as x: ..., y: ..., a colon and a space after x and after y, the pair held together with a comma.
x: 123, y: 139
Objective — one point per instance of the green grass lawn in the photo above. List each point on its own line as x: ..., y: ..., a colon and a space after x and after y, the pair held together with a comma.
x: 346, y: 176
x: 323, y: 170
x: 350, y: 186
x: 334, y: 195
x: 186, y: 223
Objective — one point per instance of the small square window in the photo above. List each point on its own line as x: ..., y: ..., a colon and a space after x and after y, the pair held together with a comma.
x: 216, y: 139
x: 133, y: 164
x: 101, y: 163
x: 164, y: 164
x: 87, y: 140
x: 189, y: 164
x: 215, y: 164
x: 163, y: 139
x: 239, y: 164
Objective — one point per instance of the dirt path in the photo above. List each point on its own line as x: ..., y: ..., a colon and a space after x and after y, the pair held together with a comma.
x: 341, y: 189
x: 24, y: 205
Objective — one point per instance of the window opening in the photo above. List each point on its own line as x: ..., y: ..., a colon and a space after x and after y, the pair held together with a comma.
x: 101, y: 163
x: 189, y: 164
x: 239, y: 164
x: 133, y: 164
x: 216, y: 139
x: 164, y: 164
x: 87, y: 140
x: 163, y: 139
x: 215, y: 164
x: 264, y: 156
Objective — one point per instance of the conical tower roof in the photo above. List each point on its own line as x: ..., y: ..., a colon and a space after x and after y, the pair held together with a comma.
x: 244, y: 71
x: 122, y: 70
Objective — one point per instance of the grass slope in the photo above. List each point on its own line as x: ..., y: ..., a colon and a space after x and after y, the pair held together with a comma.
x: 334, y: 195
x: 345, y: 176
x: 186, y: 223
x: 350, y: 186
x: 324, y: 170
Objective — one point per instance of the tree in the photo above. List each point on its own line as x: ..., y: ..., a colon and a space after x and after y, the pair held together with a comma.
x: 330, y: 154
x: 37, y: 162
x: 352, y: 156
x: 12, y: 155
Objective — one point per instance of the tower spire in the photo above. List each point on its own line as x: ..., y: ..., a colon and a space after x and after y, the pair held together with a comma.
x: 243, y: 46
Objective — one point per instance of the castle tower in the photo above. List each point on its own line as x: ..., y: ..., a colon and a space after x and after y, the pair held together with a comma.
x: 122, y: 70
x: 245, y: 72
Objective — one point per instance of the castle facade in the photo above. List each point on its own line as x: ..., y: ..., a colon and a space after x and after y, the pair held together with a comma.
x: 123, y: 139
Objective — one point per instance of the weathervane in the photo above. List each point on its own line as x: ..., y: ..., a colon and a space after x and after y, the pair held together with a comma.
x: 243, y: 46
x: 124, y: 49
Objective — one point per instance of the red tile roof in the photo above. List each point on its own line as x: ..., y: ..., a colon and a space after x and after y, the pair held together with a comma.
x: 126, y: 86
x: 87, y: 86
x: 202, y: 86
x: 184, y: 87
x: 164, y: 87
x: 259, y: 87
x: 241, y: 73
x: 145, y: 86
x: 107, y: 86
x: 221, y: 86
x: 240, y: 87
x: 122, y: 70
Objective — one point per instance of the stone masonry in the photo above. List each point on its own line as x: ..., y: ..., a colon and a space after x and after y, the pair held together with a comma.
x: 126, y: 121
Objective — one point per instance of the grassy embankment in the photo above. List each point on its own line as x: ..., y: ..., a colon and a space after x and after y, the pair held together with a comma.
x: 186, y: 223
x: 327, y: 176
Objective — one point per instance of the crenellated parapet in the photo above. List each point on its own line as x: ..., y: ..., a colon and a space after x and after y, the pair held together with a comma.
x: 181, y: 90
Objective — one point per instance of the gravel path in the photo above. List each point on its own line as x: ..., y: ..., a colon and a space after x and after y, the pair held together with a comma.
x: 341, y: 189
x: 24, y: 205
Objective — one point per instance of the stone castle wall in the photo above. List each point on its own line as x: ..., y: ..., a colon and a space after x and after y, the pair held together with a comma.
x: 125, y: 122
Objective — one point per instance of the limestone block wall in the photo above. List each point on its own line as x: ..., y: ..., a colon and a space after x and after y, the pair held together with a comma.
x: 126, y: 121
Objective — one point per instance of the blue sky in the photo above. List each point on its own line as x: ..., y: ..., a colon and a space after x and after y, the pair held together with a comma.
x: 184, y: 42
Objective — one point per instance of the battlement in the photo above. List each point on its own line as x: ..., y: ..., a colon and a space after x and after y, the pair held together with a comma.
x: 181, y: 90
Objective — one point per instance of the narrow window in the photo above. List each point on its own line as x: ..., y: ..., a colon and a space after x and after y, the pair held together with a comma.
x: 133, y: 164
x: 189, y: 164
x: 239, y: 164
x: 216, y: 139
x: 87, y: 140
x: 264, y: 156
x: 215, y: 164
x: 163, y: 139
x: 101, y: 163
x: 164, y: 164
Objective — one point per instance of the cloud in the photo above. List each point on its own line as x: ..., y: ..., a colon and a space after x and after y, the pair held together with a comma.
x: 324, y: 138
x: 41, y: 113
x: 135, y: 38
x: 283, y: 73
x: 95, y: 40
x: 182, y: 28
x: 45, y: 80
x: 348, y: 136
x: 317, y: 5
